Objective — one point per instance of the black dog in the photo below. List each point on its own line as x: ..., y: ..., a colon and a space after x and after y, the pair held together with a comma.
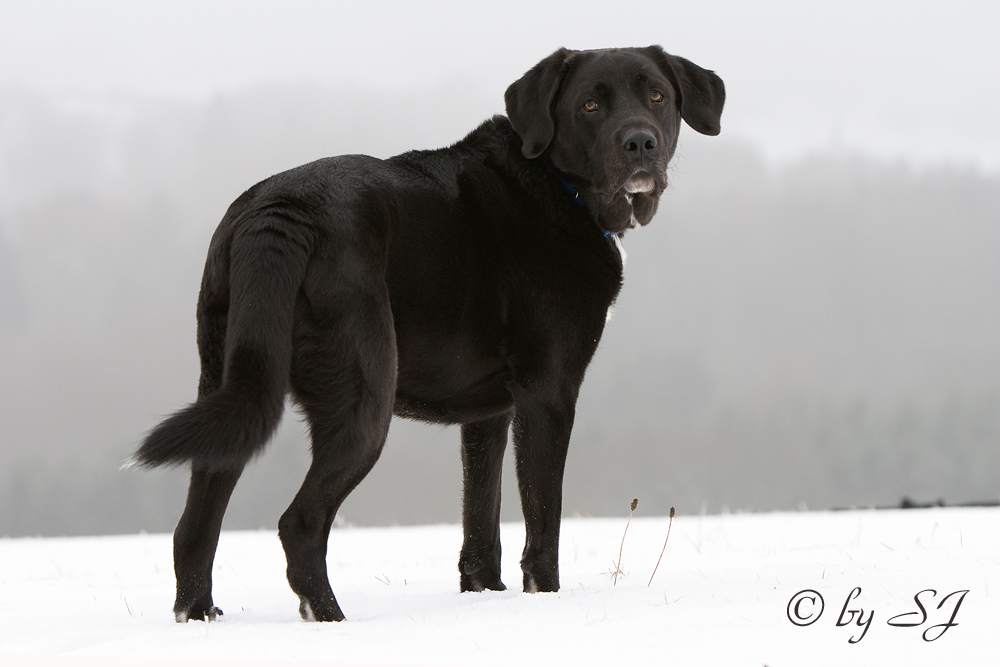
x: 467, y: 285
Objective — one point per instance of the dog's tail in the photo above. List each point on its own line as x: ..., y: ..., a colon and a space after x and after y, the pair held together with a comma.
x: 260, y: 268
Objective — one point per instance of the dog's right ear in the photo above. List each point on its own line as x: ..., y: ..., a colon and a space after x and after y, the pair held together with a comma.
x: 530, y: 101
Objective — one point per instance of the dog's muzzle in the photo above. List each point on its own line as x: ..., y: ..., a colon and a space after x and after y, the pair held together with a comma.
x: 640, y: 184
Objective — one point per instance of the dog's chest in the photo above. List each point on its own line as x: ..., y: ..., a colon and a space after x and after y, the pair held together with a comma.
x: 468, y: 331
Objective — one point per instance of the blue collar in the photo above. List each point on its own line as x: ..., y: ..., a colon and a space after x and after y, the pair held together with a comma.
x: 570, y: 188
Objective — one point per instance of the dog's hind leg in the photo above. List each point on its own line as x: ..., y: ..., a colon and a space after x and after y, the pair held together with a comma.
x: 483, y: 445
x: 197, y: 534
x: 343, y: 379
x: 195, y: 540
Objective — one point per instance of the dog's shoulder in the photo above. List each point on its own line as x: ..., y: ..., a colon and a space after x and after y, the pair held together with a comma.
x: 493, y: 145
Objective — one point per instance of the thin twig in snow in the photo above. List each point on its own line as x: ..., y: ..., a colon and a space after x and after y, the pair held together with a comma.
x: 618, y: 568
x: 669, y: 525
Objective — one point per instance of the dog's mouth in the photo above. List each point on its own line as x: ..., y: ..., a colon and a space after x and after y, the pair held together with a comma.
x: 641, y: 183
x: 632, y: 204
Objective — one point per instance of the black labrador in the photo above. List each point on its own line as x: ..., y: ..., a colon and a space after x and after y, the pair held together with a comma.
x: 467, y: 285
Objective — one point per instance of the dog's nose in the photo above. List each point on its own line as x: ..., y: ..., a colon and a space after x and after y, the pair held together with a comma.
x: 639, y: 142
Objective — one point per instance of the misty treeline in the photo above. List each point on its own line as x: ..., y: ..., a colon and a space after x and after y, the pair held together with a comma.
x: 824, y: 333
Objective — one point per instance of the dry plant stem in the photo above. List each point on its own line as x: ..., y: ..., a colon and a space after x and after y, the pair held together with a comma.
x: 669, y: 525
x: 618, y: 568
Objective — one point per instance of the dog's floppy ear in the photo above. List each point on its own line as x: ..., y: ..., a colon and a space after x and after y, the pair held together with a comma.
x: 530, y: 102
x: 702, y: 91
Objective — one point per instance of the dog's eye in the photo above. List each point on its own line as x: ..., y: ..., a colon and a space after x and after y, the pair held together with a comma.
x: 590, y: 105
x: 656, y: 96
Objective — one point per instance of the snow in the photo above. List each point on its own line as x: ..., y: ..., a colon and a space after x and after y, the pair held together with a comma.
x: 720, y: 597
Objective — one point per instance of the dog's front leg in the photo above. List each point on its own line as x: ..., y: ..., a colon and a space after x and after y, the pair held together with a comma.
x: 541, y: 438
x: 483, y: 445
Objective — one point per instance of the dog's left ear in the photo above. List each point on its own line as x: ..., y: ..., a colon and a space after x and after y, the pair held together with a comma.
x: 530, y: 100
x: 702, y: 92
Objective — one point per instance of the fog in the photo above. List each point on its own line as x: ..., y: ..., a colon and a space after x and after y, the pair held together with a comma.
x: 811, y: 320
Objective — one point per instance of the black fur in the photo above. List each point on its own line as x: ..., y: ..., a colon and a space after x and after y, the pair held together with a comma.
x: 463, y: 285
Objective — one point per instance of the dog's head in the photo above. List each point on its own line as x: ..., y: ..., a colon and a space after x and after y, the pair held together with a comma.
x: 609, y: 120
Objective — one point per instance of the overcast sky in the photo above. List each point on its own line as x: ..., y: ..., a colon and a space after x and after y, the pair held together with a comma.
x: 901, y: 78
x: 829, y: 326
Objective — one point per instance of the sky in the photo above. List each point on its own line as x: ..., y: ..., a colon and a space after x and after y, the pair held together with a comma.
x: 817, y: 302
x: 905, y: 79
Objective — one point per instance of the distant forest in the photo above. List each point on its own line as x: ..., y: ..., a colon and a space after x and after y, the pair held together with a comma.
x: 818, y: 334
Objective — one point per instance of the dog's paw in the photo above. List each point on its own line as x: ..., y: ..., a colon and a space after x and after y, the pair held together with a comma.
x: 476, y: 586
x: 480, y: 581
x: 211, y: 613
x: 540, y: 584
x: 480, y: 570
x: 327, y: 611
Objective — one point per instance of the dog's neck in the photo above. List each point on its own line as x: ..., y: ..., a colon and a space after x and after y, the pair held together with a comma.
x: 570, y: 188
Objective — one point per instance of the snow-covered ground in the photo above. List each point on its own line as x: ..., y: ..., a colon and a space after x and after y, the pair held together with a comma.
x: 721, y: 596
